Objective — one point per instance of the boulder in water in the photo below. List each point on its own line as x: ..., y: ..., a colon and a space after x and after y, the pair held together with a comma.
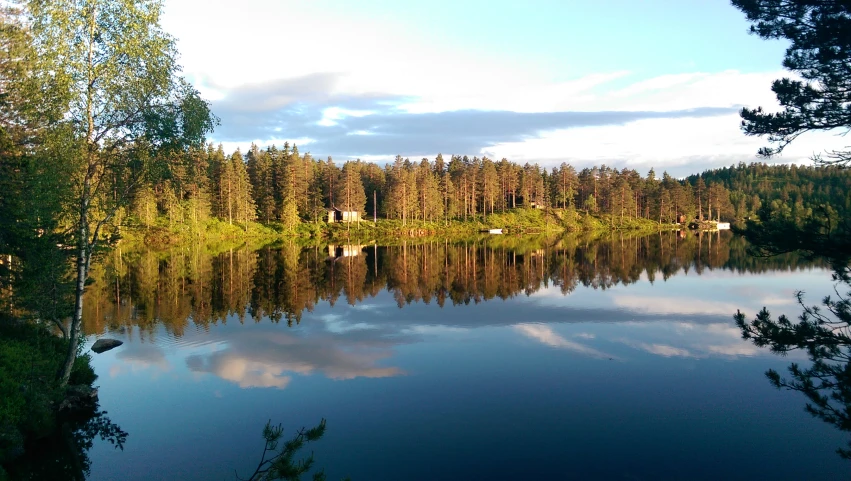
x: 103, y: 345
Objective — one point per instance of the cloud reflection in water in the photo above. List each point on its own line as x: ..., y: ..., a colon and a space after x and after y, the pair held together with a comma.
x: 546, y: 335
x: 268, y: 359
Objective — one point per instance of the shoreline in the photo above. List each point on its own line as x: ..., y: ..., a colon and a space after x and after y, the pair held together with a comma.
x: 519, y: 222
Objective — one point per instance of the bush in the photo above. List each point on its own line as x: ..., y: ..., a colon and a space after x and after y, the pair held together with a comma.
x: 83, y: 372
x: 30, y: 358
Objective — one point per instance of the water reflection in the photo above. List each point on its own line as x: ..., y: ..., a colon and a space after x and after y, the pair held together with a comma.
x: 547, y: 336
x: 823, y: 333
x: 554, y: 339
x: 184, y: 292
x: 263, y: 359
x: 192, y: 288
x: 64, y: 452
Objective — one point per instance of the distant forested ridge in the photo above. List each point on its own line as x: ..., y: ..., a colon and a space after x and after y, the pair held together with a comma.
x: 792, y: 191
x: 282, y: 185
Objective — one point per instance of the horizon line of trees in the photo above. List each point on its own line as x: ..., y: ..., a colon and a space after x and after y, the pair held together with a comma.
x: 284, y: 186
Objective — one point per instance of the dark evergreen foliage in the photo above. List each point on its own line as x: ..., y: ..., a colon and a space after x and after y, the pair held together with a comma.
x: 809, y: 208
x: 819, y: 32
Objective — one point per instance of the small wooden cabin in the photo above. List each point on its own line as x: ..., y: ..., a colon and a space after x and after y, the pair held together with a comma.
x: 337, y: 215
x: 532, y: 204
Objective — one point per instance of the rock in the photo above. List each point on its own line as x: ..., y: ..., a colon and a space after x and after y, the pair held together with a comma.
x: 79, y: 398
x: 103, y: 345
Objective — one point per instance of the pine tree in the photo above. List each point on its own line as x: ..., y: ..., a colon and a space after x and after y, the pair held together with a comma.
x: 260, y: 173
x: 350, y: 193
x: 241, y: 206
x: 490, y: 185
x: 699, y: 197
x: 428, y: 188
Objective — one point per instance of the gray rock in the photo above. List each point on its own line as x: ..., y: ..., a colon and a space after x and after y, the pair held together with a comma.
x: 103, y: 345
x: 79, y: 398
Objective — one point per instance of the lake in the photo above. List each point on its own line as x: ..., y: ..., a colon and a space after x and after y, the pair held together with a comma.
x: 496, y: 358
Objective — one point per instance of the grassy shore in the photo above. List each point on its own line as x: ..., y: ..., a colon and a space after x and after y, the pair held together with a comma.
x: 218, y: 235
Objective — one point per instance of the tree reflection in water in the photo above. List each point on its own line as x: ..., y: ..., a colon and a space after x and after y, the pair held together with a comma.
x: 824, y: 333
x: 63, y: 454
x: 143, y: 290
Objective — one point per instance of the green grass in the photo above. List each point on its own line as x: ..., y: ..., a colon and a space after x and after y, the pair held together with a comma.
x: 217, y: 236
x: 161, y: 235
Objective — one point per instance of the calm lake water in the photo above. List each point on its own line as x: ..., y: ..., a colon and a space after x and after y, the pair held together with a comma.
x: 502, y: 358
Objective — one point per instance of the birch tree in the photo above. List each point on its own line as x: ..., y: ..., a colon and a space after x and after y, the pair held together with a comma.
x: 115, y: 72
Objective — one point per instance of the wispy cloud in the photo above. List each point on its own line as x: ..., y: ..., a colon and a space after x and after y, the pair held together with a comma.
x: 674, y: 305
x: 546, y: 335
x: 663, y: 350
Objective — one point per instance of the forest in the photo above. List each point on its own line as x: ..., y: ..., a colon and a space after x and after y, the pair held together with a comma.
x: 102, y: 140
x: 284, y: 187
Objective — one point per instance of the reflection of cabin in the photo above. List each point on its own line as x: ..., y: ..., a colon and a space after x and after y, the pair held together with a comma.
x: 336, y: 251
x: 337, y: 215
x: 723, y: 226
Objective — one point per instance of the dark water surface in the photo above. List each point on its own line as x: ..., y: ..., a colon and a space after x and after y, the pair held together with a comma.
x: 501, y: 358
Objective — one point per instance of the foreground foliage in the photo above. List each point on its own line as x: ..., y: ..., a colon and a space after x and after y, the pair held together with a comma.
x: 37, y: 441
x: 825, y: 335
x: 819, y: 52
x: 278, y: 460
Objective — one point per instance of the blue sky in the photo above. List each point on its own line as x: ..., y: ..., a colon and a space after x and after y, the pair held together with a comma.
x: 634, y: 84
x: 575, y: 38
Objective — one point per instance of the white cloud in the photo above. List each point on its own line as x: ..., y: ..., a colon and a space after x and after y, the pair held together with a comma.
x: 546, y: 335
x: 331, y: 115
x: 663, y: 350
x: 516, y: 97
x: 736, y: 350
x: 660, y: 143
x: 693, y: 340
x: 230, y: 147
x: 433, y: 330
x: 674, y: 305
x: 140, y: 357
x: 361, y: 56
x: 339, y: 325
x: 254, y: 374
x: 656, y: 84
x: 258, y: 359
